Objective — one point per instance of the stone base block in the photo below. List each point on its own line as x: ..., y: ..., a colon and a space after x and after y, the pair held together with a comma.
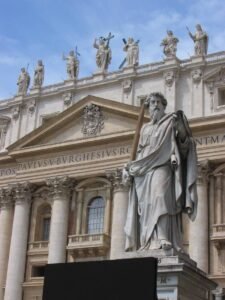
x: 178, y: 277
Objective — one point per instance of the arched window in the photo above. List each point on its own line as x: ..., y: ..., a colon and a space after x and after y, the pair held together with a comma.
x: 95, y: 220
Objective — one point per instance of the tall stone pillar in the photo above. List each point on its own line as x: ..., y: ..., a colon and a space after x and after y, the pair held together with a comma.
x: 198, y: 243
x: 6, y: 218
x: 120, y: 203
x: 61, y: 191
x: 18, y: 246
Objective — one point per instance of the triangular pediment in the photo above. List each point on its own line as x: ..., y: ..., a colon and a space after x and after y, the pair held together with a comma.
x: 216, y: 75
x: 77, y: 126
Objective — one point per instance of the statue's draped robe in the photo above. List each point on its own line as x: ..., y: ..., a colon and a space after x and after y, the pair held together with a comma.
x: 157, y: 189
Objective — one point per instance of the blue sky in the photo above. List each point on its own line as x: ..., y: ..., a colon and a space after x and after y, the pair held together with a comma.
x: 44, y: 29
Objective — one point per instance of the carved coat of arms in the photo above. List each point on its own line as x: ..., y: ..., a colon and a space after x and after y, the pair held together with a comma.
x: 93, y: 120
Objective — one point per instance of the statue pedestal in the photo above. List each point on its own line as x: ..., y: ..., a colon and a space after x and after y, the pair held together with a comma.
x: 178, y: 277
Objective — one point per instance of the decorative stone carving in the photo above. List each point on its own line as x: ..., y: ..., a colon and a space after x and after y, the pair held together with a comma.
x: 169, y: 44
x: 39, y: 75
x: 67, y: 98
x: 31, y: 105
x: 169, y: 78
x: 15, y: 112
x: 93, y: 120
x: 72, y: 65
x: 104, y: 53
x: 6, y: 198
x: 4, y: 124
x: 60, y: 185
x: 196, y: 76
x: 23, y: 82
x: 127, y: 85
x: 22, y: 192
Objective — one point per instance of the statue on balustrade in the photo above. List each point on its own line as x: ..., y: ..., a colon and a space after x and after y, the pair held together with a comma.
x: 169, y: 44
x: 200, y: 39
x: 23, y: 82
x: 163, y: 180
x: 72, y: 64
x: 132, y: 49
x: 104, y: 53
x: 39, y: 74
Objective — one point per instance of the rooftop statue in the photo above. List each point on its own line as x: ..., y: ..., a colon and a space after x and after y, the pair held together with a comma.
x: 169, y: 44
x: 104, y: 53
x: 23, y: 82
x: 163, y: 180
x: 39, y: 74
x: 200, y: 39
x: 132, y: 49
x: 72, y: 64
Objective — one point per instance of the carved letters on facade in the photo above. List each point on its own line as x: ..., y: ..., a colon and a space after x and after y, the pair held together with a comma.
x: 93, y: 120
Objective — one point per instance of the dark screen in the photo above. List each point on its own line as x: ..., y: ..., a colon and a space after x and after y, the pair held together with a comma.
x: 109, y: 280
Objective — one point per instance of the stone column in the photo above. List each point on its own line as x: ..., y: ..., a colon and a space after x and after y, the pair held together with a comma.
x: 120, y: 203
x: 198, y: 243
x: 60, y: 190
x: 18, y: 246
x: 6, y: 218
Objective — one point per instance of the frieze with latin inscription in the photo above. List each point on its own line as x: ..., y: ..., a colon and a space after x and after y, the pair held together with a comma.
x: 66, y: 160
x: 210, y: 139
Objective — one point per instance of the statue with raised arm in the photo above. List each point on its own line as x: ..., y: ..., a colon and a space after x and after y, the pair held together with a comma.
x: 163, y: 180
x: 23, y: 82
x: 104, y: 53
x: 169, y: 44
x: 72, y: 65
x: 200, y: 39
x: 39, y: 74
x: 132, y: 49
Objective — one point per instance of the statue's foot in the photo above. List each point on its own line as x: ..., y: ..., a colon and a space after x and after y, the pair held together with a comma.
x: 165, y: 245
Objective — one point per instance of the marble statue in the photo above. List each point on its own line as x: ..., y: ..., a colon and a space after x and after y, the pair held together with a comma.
x: 132, y: 49
x: 23, y: 82
x: 39, y: 74
x: 200, y: 39
x: 72, y: 65
x: 169, y: 44
x: 104, y: 53
x: 163, y: 180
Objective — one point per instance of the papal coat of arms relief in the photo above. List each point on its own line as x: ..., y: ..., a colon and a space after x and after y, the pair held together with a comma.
x: 93, y: 120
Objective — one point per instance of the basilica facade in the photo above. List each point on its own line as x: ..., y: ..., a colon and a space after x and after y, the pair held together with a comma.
x: 62, y: 150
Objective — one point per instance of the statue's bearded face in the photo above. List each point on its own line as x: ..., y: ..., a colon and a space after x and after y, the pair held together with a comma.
x: 156, y: 108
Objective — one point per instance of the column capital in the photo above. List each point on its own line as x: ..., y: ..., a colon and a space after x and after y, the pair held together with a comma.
x: 203, y: 172
x: 6, y: 197
x: 119, y: 180
x: 60, y: 185
x: 22, y: 192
